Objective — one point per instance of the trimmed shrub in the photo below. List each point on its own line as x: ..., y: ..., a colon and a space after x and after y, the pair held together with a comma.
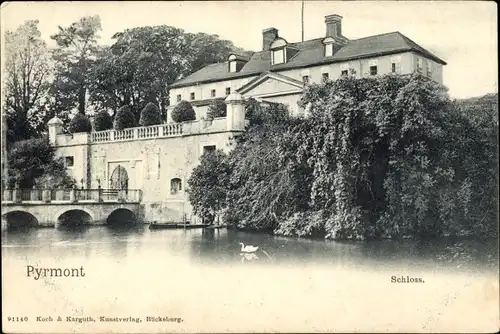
x: 124, y: 118
x: 217, y: 108
x: 150, y: 115
x: 183, y: 112
x: 80, y: 123
x: 103, y: 121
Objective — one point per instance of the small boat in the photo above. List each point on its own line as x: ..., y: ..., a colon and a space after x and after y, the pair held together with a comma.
x: 161, y: 226
x: 215, y: 226
x: 171, y: 225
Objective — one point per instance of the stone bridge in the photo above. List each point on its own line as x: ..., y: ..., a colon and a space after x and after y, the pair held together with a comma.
x: 43, y: 208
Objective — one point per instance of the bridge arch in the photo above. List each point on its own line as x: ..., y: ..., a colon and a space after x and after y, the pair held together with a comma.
x: 121, y: 216
x: 19, y: 219
x: 74, y: 216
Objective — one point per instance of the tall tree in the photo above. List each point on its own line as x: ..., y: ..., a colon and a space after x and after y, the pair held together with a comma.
x: 26, y: 81
x: 75, y: 55
x: 142, y: 62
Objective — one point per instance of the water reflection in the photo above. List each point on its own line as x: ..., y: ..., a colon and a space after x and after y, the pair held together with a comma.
x: 222, y: 247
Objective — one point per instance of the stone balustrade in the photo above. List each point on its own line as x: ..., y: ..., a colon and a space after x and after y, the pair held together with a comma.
x: 144, y: 132
x: 73, y: 195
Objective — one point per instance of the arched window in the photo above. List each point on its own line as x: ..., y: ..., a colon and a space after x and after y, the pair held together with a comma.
x: 175, y: 186
x: 278, y: 51
x: 119, y: 178
x: 328, y: 42
x: 232, y: 63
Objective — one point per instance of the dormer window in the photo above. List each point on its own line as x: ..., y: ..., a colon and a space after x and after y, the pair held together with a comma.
x: 232, y: 66
x: 278, y: 56
x: 328, y: 42
x: 232, y: 63
x: 278, y: 51
x: 236, y: 63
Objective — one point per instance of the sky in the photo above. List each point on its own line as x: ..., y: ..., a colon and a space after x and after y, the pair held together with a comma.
x: 463, y: 33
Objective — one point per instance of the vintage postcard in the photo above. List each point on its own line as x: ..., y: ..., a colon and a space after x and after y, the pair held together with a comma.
x: 249, y: 166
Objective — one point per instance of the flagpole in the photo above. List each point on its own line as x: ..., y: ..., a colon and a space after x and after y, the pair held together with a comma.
x: 302, y: 20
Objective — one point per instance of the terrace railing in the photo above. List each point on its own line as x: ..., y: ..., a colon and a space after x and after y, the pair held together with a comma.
x: 72, y: 195
x: 145, y: 132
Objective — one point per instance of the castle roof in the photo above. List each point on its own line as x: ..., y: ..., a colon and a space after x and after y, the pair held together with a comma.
x: 311, y: 53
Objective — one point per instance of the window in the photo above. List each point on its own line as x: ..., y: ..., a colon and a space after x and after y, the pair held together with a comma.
x: 179, y: 97
x: 373, y: 70
x: 232, y: 66
x: 208, y: 149
x: 329, y: 50
x: 278, y: 56
x: 69, y: 161
x: 429, y: 68
x: 175, y: 186
x: 396, y: 64
x: 325, y: 76
x: 305, y: 79
x: 212, y: 93
x: 192, y: 96
x: 419, y: 65
x: 344, y: 69
x: 228, y: 90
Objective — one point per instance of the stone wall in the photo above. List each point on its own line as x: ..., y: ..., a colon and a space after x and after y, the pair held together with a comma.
x: 156, y: 159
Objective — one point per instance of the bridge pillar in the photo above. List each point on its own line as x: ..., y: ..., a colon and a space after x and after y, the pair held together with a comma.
x: 99, y: 193
x: 46, y: 195
x: 7, y: 195
x: 16, y: 194
x: 34, y: 194
x: 72, y: 195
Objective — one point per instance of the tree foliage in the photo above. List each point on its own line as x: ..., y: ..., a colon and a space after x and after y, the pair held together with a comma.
x: 26, y: 81
x: 183, y: 112
x: 33, y: 162
x: 124, y: 118
x: 150, y: 115
x: 103, y: 121
x: 75, y: 56
x: 383, y: 157
x: 217, y: 108
x: 80, y: 123
x: 143, y: 62
x: 208, y: 185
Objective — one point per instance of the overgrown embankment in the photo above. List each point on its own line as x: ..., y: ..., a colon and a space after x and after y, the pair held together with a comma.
x: 379, y: 157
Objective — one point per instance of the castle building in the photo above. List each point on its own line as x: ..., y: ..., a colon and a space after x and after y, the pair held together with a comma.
x: 280, y: 70
x: 159, y: 159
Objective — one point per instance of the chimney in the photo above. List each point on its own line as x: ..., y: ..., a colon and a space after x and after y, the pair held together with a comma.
x: 333, y: 25
x: 268, y: 36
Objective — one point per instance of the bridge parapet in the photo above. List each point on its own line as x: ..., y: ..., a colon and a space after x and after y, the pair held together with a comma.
x: 74, y: 195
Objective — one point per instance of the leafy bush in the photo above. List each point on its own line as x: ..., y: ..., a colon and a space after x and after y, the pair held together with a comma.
x: 258, y: 113
x: 103, y: 121
x: 183, y: 112
x: 34, y: 162
x: 124, y: 118
x: 80, y: 123
x: 217, y: 108
x: 150, y: 115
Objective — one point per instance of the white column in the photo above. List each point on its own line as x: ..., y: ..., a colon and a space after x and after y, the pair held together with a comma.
x: 235, y: 112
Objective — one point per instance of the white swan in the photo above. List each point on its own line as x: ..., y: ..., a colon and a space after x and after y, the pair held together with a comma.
x: 248, y: 248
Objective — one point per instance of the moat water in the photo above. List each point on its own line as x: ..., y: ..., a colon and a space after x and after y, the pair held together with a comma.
x: 221, y: 246
x: 199, y: 275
